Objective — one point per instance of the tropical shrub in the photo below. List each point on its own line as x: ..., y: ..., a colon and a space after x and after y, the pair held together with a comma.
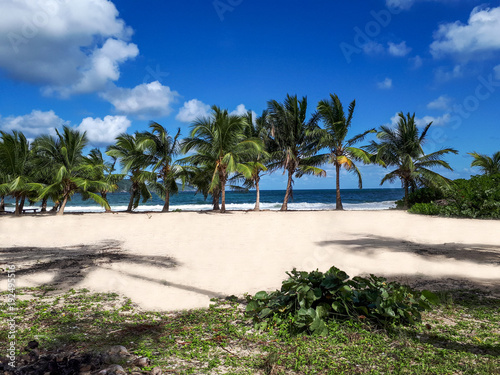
x: 422, y: 195
x: 425, y: 209
x: 307, y: 301
x: 478, y: 197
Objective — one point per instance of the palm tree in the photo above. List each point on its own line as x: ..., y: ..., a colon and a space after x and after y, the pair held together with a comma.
x: 130, y: 152
x: 103, y: 171
x: 73, y: 174
x: 220, y: 138
x: 401, y: 147
x: 250, y: 170
x: 291, y: 145
x: 488, y: 165
x: 17, y: 168
x: 162, y: 148
x: 333, y: 137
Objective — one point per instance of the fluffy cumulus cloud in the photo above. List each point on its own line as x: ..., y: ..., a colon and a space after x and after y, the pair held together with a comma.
x: 101, y: 132
x: 398, y: 50
x: 385, y: 84
x: 144, y: 101
x: 192, y: 110
x: 33, y: 124
x: 480, y: 35
x: 66, y: 46
x: 442, y: 103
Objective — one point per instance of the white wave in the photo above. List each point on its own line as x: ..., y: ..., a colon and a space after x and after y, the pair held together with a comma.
x: 239, y: 206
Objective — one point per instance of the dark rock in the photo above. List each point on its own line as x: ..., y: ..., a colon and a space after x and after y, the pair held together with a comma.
x: 33, y: 344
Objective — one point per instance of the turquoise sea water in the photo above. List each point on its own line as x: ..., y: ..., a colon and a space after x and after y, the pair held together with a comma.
x: 352, y: 199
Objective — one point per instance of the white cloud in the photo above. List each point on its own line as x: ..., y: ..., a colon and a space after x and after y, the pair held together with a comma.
x: 442, y: 103
x: 385, y: 84
x: 480, y: 35
x: 399, y: 50
x: 422, y: 122
x: 496, y: 69
x: 102, y: 132
x: 240, y: 110
x: 192, y: 110
x: 145, y: 101
x: 67, y: 46
x: 416, y: 62
x: 34, y: 124
x: 373, y: 48
x: 444, y: 75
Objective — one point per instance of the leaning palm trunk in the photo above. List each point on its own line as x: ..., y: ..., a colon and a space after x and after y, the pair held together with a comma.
x: 63, y: 205
x: 104, y: 195
x: 21, y: 203
x: 338, y: 204
x: 166, y: 206
x: 284, y: 207
x: 257, y: 199
x: 2, y: 204
x: 132, y: 196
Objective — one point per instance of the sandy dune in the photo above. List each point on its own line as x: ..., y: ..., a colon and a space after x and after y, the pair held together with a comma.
x: 181, y: 260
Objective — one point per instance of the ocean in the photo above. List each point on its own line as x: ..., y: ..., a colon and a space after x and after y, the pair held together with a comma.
x: 352, y: 199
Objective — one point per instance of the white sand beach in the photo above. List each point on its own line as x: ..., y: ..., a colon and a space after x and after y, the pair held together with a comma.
x: 181, y: 260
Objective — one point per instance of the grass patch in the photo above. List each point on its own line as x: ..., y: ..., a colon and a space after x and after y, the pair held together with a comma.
x: 460, y: 336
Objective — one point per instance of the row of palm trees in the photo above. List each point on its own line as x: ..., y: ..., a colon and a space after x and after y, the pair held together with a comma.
x: 222, y: 149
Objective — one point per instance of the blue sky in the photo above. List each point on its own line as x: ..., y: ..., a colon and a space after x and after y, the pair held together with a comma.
x: 109, y: 67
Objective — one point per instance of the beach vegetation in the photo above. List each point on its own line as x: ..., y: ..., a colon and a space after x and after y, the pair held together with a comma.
x: 292, y: 145
x: 422, y: 195
x: 341, y: 151
x: 307, y: 301
x: 477, y: 197
x: 457, y: 337
x: 130, y: 152
x: 16, y: 168
x: 250, y: 171
x: 219, y: 141
x: 163, y: 148
x: 488, y: 165
x: 401, y: 147
x: 73, y: 173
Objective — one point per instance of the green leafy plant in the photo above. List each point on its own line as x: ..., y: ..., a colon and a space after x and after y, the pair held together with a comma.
x: 425, y: 209
x: 422, y: 195
x: 307, y: 301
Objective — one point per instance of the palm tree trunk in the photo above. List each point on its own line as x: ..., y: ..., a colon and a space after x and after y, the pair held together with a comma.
x: 2, y: 203
x: 17, y: 211
x: 21, y: 203
x: 405, y: 183
x: 44, y: 205
x: 257, y: 199
x: 338, y: 204
x: 104, y: 196
x: 63, y: 205
x: 132, y: 196
x: 284, y: 206
x: 166, y: 206
x: 56, y: 206
x: 223, y: 191
x: 215, y: 201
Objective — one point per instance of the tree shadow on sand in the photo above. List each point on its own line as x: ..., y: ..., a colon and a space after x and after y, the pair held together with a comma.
x: 477, y: 253
x: 71, y: 264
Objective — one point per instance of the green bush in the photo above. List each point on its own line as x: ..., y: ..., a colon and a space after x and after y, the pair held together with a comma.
x: 478, y: 197
x: 425, y: 209
x: 422, y: 195
x: 307, y: 301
